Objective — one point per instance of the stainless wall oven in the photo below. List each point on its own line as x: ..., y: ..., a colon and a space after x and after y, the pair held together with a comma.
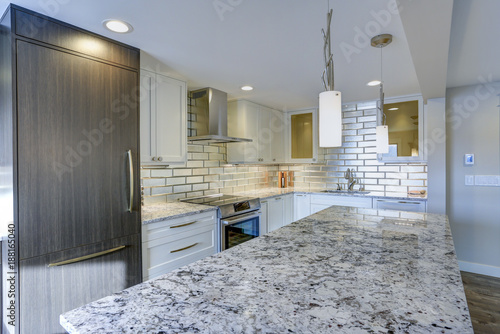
x: 239, y: 218
x: 238, y: 229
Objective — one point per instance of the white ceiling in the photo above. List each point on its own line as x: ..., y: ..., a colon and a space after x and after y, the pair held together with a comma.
x: 276, y: 46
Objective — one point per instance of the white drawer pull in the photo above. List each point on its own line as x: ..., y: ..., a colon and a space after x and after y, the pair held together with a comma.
x: 182, y: 225
x: 184, y: 248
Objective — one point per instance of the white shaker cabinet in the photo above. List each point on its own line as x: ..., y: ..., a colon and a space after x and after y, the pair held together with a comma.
x: 265, y: 126
x: 163, y: 120
x: 400, y: 205
x: 320, y: 202
x: 301, y: 206
x: 173, y: 243
x: 277, y: 212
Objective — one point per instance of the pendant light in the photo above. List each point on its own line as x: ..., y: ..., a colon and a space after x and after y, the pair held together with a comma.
x: 382, y: 130
x: 330, y: 101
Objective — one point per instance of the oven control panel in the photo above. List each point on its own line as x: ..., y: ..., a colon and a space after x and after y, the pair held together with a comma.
x: 241, y: 206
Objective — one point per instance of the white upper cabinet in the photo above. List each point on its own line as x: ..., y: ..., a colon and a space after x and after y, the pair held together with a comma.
x: 265, y: 126
x: 163, y: 120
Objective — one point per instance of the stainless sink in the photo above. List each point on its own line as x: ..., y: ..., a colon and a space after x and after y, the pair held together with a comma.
x: 345, y: 192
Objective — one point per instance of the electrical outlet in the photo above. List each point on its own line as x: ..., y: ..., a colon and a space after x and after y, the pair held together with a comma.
x: 469, y: 180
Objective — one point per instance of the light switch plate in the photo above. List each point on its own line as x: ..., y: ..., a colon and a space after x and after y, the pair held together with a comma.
x: 469, y: 180
x: 487, y: 180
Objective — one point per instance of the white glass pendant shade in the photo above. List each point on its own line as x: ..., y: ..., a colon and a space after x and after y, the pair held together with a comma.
x: 330, y: 119
x: 382, y: 139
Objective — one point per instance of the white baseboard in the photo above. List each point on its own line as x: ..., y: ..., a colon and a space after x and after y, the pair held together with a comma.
x: 481, y: 269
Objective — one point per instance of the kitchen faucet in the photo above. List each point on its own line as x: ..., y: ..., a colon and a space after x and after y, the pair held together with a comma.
x: 349, y: 176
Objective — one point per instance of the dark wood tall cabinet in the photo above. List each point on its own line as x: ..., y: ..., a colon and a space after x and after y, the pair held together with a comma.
x: 70, y: 167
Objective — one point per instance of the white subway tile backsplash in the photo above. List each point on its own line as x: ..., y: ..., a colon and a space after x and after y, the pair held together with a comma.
x: 183, y: 172
x: 367, y: 119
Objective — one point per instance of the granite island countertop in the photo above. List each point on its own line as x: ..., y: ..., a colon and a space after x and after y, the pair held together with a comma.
x: 341, y: 270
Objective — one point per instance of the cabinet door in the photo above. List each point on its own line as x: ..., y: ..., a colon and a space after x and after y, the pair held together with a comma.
x: 265, y: 135
x: 46, y: 292
x: 400, y: 205
x: 171, y: 126
x: 278, y: 126
x: 263, y: 217
x: 243, y: 121
x: 275, y: 213
x: 318, y: 207
x: 148, y: 117
x: 303, y: 136
x: 288, y: 209
x: 77, y: 118
x: 301, y: 206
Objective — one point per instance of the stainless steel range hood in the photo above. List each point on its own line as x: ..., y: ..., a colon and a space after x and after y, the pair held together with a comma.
x: 209, y: 117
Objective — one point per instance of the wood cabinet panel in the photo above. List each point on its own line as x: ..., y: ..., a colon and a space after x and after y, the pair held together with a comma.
x: 43, y: 29
x: 75, y: 127
x: 46, y: 292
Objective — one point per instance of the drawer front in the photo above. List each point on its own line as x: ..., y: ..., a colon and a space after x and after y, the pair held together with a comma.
x: 163, y: 255
x: 359, y: 202
x: 403, y: 205
x: 174, y: 226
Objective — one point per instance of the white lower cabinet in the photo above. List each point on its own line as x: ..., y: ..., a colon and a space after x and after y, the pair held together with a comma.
x: 320, y: 202
x: 173, y: 243
x: 301, y: 206
x: 263, y: 217
x: 278, y: 211
x: 400, y: 205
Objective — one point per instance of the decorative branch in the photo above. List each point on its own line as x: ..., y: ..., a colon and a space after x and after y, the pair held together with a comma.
x: 327, y: 76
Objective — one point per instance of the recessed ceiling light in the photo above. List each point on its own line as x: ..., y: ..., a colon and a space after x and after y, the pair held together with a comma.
x: 247, y: 88
x: 393, y: 109
x: 374, y: 83
x: 118, y: 26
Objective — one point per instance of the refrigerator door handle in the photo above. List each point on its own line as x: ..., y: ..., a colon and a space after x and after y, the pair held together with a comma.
x: 131, y: 180
x: 86, y: 257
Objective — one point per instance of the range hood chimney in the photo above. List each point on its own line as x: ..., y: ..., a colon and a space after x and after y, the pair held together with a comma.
x: 209, y: 116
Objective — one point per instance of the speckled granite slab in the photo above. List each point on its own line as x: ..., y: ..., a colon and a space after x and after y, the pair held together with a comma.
x: 342, y: 270
x: 161, y: 211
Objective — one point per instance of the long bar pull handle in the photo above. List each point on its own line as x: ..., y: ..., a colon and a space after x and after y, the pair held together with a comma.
x: 182, y: 225
x: 86, y: 257
x: 131, y: 179
x: 184, y: 248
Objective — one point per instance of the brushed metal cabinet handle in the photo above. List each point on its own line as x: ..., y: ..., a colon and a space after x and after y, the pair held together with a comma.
x: 86, y: 257
x: 160, y: 159
x: 131, y: 180
x: 184, y: 248
x: 182, y: 225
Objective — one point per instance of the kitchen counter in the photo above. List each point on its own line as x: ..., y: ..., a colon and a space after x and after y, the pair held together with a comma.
x: 157, y: 212
x: 273, y: 192
x: 341, y: 270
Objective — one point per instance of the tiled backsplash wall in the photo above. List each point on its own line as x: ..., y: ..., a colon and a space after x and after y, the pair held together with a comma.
x: 208, y: 173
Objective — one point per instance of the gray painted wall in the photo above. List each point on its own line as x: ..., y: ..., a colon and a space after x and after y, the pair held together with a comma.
x: 472, y: 126
x: 435, y: 148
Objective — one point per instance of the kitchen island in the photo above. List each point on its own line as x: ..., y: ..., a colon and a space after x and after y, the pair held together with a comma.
x: 341, y: 270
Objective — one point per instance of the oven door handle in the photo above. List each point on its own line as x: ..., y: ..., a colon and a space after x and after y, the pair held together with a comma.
x: 237, y: 219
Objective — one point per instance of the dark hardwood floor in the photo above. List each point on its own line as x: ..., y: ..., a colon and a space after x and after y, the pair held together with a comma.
x: 483, y: 298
